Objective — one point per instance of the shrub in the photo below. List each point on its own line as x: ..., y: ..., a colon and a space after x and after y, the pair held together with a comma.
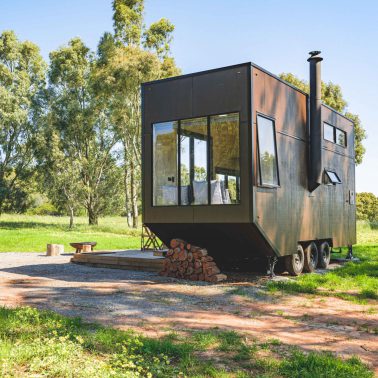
x: 46, y: 208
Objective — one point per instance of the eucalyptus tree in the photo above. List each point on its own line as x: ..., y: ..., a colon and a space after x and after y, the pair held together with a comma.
x: 58, y: 175
x: 86, y: 140
x: 132, y: 55
x: 332, y: 96
x: 22, y: 83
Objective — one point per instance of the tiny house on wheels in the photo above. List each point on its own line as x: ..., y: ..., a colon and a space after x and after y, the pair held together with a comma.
x: 242, y: 163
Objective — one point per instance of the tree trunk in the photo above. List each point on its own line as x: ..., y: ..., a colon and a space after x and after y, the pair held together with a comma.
x: 92, y: 218
x: 92, y: 214
x: 126, y: 188
x: 134, y: 196
x: 71, y: 217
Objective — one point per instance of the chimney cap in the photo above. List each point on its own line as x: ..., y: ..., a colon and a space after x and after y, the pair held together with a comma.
x: 314, y: 56
x: 314, y: 53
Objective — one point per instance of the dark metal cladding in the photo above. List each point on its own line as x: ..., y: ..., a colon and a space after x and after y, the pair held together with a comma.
x: 269, y: 219
x: 316, y: 130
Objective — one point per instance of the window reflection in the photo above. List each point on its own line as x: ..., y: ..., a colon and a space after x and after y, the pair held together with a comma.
x: 328, y: 132
x: 165, y: 164
x: 340, y: 137
x: 225, y: 160
x: 267, y: 151
x: 194, y: 177
x: 208, y: 154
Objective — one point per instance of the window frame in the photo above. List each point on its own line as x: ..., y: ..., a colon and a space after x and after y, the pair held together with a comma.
x: 334, y: 139
x: 331, y: 181
x: 345, y: 137
x: 259, y: 178
x: 209, y: 141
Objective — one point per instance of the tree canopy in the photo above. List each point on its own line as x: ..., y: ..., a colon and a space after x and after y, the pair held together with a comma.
x: 79, y: 139
x: 22, y: 83
x: 132, y: 55
x: 367, y: 206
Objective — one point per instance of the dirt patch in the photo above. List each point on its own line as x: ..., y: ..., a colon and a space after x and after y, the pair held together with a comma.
x: 157, y: 305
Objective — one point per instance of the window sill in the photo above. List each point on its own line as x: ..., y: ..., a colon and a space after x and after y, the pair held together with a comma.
x: 268, y: 186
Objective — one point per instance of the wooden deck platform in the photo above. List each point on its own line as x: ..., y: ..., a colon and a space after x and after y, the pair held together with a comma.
x: 130, y: 259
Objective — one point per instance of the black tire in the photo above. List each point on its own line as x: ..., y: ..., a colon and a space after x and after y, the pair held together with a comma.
x: 310, y: 258
x: 294, y: 263
x: 324, y: 255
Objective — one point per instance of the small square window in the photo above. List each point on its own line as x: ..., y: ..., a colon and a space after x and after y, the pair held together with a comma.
x: 340, y: 137
x: 329, y: 132
x: 332, y: 178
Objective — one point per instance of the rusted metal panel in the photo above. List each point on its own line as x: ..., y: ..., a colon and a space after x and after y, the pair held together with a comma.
x: 290, y: 213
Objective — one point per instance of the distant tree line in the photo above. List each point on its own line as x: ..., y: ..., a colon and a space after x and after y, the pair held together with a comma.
x: 70, y: 130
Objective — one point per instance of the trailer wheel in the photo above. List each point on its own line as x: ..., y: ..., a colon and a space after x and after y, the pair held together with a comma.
x: 324, y: 255
x: 294, y: 263
x: 310, y: 258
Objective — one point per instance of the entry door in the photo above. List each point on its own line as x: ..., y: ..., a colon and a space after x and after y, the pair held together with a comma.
x: 193, y: 163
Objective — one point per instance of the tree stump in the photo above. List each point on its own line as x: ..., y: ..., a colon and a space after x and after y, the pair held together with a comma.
x: 54, y: 249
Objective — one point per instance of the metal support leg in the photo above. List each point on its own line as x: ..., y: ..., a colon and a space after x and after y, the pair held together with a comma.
x: 272, y: 261
x: 350, y: 253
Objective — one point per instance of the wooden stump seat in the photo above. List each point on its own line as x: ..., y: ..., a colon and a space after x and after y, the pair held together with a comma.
x: 83, y: 246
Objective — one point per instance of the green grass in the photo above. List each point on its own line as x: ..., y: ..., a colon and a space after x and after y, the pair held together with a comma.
x: 353, y: 281
x: 42, y: 343
x: 31, y: 233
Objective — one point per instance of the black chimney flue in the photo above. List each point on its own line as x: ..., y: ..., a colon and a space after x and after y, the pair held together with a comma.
x: 316, y: 130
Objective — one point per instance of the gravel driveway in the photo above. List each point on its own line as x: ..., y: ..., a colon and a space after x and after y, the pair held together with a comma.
x: 154, y: 305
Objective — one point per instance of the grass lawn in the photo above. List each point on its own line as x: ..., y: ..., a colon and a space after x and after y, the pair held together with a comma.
x: 43, y: 344
x: 353, y: 281
x: 31, y: 233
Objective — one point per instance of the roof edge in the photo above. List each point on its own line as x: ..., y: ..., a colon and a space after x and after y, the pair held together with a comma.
x: 279, y: 79
x: 204, y: 72
x: 196, y: 73
x: 337, y: 112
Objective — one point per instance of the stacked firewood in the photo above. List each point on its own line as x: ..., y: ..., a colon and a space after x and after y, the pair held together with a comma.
x: 187, y: 261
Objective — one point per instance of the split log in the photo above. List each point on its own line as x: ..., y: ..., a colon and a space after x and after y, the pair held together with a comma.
x: 210, y: 264
x: 187, y: 261
x: 198, y: 270
x: 217, y: 278
x: 212, y: 271
x: 206, y: 259
x: 183, y: 255
x: 197, y: 264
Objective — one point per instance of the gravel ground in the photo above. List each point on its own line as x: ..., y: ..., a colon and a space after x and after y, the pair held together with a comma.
x: 155, y: 305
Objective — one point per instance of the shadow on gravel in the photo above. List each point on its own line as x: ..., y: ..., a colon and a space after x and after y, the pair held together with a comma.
x: 78, y: 273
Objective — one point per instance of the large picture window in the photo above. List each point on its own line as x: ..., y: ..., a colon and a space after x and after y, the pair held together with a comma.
x: 268, y: 168
x: 197, y: 161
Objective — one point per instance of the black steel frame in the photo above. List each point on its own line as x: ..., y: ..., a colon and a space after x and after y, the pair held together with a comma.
x: 209, y: 160
x: 260, y: 183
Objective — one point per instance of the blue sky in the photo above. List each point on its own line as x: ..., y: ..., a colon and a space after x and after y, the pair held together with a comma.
x: 211, y: 33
